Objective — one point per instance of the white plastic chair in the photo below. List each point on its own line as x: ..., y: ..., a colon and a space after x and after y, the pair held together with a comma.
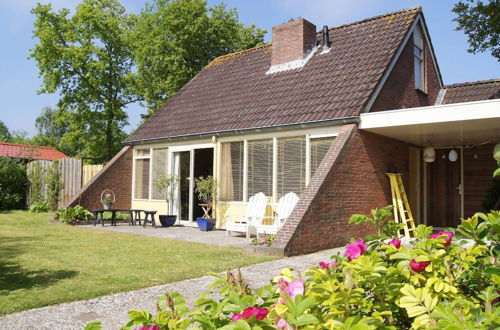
x: 285, y: 208
x: 254, y: 214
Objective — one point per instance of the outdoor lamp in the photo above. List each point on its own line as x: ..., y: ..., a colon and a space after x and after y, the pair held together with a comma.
x: 453, y: 155
x: 429, y: 155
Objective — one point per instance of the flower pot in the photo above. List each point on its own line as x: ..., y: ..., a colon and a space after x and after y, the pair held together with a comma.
x: 167, y: 220
x: 107, y: 206
x: 206, y: 224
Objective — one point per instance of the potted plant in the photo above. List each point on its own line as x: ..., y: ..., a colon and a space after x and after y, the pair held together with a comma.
x: 206, y: 188
x: 162, y: 185
x: 107, y: 199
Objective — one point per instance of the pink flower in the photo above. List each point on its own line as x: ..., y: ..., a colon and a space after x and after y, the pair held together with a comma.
x: 417, y: 266
x: 354, y: 250
x: 281, y: 324
x: 153, y: 327
x: 447, y: 239
x: 259, y: 313
x: 396, y: 242
x: 327, y: 266
x: 292, y: 288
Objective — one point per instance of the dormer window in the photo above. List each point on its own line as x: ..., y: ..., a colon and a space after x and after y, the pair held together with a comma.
x: 418, y: 59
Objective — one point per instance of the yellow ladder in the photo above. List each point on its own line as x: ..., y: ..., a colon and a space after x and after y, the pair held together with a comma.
x: 402, y: 212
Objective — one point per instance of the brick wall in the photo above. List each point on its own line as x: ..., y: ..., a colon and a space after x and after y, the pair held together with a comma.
x: 399, y: 90
x: 117, y: 176
x: 351, y: 179
x: 292, y: 40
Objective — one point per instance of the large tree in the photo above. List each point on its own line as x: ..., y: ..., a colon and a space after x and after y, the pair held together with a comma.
x: 100, y: 60
x: 87, y: 59
x: 174, y: 40
x: 52, y: 126
x: 480, y: 21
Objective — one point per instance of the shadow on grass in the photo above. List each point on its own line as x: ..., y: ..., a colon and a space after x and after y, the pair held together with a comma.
x: 14, y: 277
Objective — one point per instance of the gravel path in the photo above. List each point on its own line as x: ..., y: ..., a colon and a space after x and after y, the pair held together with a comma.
x: 112, y: 310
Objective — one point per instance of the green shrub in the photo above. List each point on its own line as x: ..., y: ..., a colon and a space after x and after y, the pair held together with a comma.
x: 13, y: 184
x: 40, y: 207
x: 427, y: 282
x: 74, y: 214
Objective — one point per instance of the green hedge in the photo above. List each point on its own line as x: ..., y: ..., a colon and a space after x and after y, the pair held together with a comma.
x: 13, y: 184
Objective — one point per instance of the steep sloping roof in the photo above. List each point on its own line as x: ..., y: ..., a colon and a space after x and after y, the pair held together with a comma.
x: 234, y: 92
x: 472, y: 91
x: 14, y: 150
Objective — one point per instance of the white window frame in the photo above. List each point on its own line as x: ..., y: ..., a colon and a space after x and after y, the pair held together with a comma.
x: 275, y: 140
x: 136, y: 157
x: 419, y: 43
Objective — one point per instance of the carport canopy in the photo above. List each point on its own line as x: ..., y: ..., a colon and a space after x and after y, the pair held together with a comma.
x: 459, y: 124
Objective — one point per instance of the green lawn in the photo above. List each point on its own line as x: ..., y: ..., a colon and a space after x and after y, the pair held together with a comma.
x: 43, y: 263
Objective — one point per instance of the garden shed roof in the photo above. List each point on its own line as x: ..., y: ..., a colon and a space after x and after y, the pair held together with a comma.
x: 14, y: 150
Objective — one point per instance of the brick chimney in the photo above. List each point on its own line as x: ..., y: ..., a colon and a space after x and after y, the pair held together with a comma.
x: 292, y: 41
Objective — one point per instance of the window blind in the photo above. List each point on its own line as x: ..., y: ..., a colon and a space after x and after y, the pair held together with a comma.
x: 159, y: 169
x: 142, y: 178
x: 260, y: 167
x: 291, y: 165
x: 232, y: 171
x: 319, y: 148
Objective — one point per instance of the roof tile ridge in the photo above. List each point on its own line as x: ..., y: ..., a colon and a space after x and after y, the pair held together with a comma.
x: 473, y: 83
x: 27, y: 145
x: 238, y: 53
x: 416, y: 9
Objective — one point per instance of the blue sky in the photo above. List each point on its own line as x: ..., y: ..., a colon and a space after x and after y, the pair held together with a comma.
x: 19, y: 79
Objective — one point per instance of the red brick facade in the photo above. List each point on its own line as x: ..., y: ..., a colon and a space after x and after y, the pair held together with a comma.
x: 117, y: 176
x: 399, y: 90
x: 292, y: 40
x: 351, y: 179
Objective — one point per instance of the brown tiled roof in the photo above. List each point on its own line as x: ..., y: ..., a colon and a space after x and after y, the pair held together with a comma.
x: 472, y: 91
x: 14, y: 150
x: 234, y: 93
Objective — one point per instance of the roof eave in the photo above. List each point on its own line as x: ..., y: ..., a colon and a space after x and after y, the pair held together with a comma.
x: 335, y: 121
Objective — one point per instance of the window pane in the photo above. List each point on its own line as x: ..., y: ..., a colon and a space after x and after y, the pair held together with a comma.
x: 260, y: 167
x: 142, y: 152
x: 418, y: 39
x: 232, y: 172
x: 419, y: 81
x: 159, y: 169
x: 291, y: 165
x: 142, y: 178
x: 319, y: 148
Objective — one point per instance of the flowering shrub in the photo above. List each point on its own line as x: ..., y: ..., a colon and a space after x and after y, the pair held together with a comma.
x: 434, y: 281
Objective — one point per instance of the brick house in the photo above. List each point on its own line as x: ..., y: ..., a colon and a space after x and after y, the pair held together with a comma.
x: 324, y: 115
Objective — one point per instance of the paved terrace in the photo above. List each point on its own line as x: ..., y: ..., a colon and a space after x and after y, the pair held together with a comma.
x: 112, y: 310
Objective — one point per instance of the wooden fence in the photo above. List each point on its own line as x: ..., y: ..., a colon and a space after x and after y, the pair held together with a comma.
x: 89, y: 171
x: 73, y: 176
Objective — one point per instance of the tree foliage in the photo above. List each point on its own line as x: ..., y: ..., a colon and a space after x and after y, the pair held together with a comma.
x: 4, y: 132
x: 13, y: 184
x: 480, y: 21
x: 174, y: 40
x: 101, y: 59
x: 87, y: 59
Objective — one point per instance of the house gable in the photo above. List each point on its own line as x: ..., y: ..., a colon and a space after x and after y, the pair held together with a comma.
x: 397, y: 88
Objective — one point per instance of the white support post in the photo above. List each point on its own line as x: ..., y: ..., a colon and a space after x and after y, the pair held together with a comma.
x: 462, y: 187
x: 151, y: 162
x: 308, y: 159
x: 275, y: 170
x: 245, y: 170
x: 134, y: 153
x: 191, y: 184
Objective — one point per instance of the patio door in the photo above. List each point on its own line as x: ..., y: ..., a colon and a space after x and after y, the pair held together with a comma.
x: 445, y: 189
x: 182, y: 195
x: 189, y: 163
